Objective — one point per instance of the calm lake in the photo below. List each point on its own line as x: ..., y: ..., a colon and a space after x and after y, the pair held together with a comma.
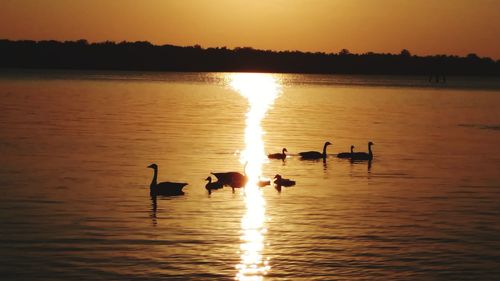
x: 74, y: 187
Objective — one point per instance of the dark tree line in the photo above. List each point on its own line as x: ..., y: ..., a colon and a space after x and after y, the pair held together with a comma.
x: 145, y: 56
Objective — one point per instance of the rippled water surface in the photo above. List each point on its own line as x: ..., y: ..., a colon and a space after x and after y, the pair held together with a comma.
x: 74, y: 187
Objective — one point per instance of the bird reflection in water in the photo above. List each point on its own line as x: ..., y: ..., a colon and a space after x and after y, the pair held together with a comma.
x: 154, y: 208
x: 260, y: 90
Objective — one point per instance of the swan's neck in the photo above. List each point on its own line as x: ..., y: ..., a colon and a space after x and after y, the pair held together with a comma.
x: 370, y: 150
x: 283, y: 151
x: 324, y: 150
x: 155, y: 177
x: 209, y: 180
x: 352, y: 150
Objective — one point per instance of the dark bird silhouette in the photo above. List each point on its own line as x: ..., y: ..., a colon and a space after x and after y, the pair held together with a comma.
x: 346, y: 154
x: 364, y: 155
x: 212, y: 185
x: 281, y: 155
x: 279, y: 181
x: 232, y: 179
x: 313, y: 155
x: 164, y: 188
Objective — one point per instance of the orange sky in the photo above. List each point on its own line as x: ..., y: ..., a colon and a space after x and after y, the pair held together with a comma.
x: 422, y: 26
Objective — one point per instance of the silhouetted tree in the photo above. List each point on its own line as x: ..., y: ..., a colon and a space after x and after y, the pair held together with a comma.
x: 472, y: 56
x: 82, y: 42
x: 405, y: 53
x: 344, y: 52
x: 143, y: 55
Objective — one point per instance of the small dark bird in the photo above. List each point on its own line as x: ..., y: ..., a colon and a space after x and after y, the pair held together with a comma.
x: 281, y: 155
x: 314, y: 155
x: 346, y: 154
x: 212, y: 185
x: 164, y: 188
x: 279, y: 181
x: 364, y: 155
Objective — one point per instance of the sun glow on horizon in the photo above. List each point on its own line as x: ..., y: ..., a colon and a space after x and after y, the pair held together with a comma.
x: 260, y: 90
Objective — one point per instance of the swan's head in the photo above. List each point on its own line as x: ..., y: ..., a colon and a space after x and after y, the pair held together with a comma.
x: 370, y: 143
x: 327, y: 143
x: 277, y: 176
x: 352, y: 147
x: 208, y: 178
x: 153, y: 166
x: 284, y: 150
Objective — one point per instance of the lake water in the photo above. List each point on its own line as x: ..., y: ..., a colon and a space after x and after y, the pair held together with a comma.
x: 74, y: 187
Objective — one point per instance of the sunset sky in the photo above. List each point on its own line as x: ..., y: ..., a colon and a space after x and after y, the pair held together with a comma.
x: 422, y: 26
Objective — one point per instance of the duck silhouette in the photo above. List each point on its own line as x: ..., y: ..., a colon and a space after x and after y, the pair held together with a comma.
x: 346, y: 154
x: 281, y: 155
x: 314, y: 155
x: 164, y: 188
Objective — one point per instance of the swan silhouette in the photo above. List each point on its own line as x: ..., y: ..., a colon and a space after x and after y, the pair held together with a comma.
x: 313, y: 155
x: 279, y: 181
x: 281, y: 155
x: 364, y: 155
x: 212, y: 185
x: 164, y: 188
x: 346, y: 154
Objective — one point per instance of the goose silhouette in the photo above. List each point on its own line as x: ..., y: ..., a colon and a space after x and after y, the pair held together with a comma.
x: 164, y: 188
x: 212, y: 185
x: 281, y: 155
x: 279, y: 181
x: 364, y: 155
x: 314, y: 155
x: 232, y: 179
x: 346, y: 154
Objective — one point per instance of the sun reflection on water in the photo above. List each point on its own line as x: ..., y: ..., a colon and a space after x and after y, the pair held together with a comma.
x: 260, y: 90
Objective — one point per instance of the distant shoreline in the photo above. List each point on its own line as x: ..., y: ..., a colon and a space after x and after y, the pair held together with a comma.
x: 144, y: 56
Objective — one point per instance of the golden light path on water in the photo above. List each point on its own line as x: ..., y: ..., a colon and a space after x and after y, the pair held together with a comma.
x: 260, y: 90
